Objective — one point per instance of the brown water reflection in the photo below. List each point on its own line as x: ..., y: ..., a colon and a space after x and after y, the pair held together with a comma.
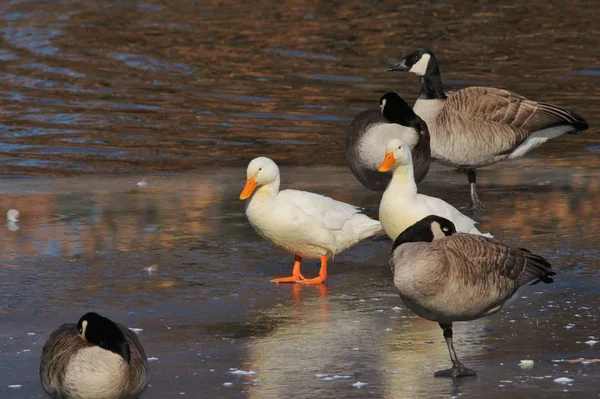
x: 86, y: 243
x: 113, y: 86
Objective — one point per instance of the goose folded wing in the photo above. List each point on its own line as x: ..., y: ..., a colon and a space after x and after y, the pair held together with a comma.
x: 509, y: 115
x: 480, y: 254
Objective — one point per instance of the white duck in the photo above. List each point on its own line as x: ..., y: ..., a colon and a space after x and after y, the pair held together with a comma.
x: 401, y: 206
x: 306, y: 224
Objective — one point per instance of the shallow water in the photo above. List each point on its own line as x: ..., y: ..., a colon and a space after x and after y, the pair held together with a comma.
x: 116, y: 87
x: 85, y: 244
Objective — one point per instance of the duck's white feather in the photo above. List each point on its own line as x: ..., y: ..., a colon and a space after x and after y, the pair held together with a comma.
x: 401, y: 206
x: 307, y: 224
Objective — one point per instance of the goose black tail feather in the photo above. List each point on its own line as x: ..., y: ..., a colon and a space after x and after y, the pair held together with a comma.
x: 565, y: 116
x: 537, y: 269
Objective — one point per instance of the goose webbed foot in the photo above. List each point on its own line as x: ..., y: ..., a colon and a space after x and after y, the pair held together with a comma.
x: 458, y: 369
x: 476, y: 204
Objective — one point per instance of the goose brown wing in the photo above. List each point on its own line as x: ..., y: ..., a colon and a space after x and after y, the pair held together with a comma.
x: 474, y: 258
x: 522, y: 116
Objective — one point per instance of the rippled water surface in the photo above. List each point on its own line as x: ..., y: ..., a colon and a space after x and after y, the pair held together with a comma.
x: 116, y: 86
x: 141, y: 91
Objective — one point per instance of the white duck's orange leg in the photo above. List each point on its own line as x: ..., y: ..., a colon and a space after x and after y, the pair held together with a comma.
x: 322, y: 273
x: 296, y: 275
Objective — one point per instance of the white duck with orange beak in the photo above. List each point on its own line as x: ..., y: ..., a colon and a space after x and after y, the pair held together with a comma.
x: 401, y: 206
x: 308, y: 225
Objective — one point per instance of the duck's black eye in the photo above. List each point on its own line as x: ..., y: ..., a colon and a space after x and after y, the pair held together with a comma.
x: 400, y: 147
x: 259, y: 169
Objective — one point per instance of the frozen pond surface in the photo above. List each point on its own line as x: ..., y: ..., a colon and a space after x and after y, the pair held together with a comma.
x: 177, y: 259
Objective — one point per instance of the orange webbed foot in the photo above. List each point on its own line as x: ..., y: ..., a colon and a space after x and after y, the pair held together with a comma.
x: 322, y: 274
x: 308, y: 281
x: 296, y: 275
x: 291, y: 279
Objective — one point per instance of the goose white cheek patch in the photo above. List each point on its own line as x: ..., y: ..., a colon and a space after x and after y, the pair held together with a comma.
x: 436, y: 229
x: 421, y: 67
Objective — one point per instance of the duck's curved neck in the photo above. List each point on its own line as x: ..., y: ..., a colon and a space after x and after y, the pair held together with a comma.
x: 403, y: 178
x: 271, y: 189
x: 431, y: 84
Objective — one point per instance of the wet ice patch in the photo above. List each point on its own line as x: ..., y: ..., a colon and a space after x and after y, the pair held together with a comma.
x: 15, y: 386
x: 30, y: 333
x: 359, y: 384
x: 563, y: 380
x: 235, y: 371
x: 526, y: 364
x: 142, y: 183
x: 136, y: 330
x: 228, y: 384
x: 152, y: 359
x: 591, y: 342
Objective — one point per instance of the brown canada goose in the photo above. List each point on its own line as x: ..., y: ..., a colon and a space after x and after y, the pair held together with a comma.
x: 95, y: 358
x: 447, y: 277
x: 479, y: 126
x: 308, y: 225
x: 372, y: 129
x: 401, y: 205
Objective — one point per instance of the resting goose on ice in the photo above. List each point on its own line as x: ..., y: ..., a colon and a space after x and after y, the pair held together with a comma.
x: 372, y: 129
x: 479, y: 126
x: 446, y: 277
x: 95, y: 358
x: 308, y: 225
x: 401, y: 205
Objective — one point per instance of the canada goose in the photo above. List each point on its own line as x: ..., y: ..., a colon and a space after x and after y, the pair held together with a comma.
x: 95, y: 358
x: 401, y: 206
x: 306, y: 224
x: 479, y: 126
x: 372, y: 129
x: 447, y: 277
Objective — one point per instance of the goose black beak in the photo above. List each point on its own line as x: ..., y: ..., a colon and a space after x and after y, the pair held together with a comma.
x: 400, y: 66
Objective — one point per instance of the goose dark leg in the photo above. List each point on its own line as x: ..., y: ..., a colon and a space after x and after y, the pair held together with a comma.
x: 458, y: 369
x: 476, y: 205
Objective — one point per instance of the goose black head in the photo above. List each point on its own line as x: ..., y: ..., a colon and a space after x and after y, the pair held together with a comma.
x: 396, y: 110
x: 105, y: 333
x: 428, y: 229
x: 419, y: 61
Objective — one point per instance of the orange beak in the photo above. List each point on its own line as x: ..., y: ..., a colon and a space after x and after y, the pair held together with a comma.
x: 387, y: 163
x: 248, y: 188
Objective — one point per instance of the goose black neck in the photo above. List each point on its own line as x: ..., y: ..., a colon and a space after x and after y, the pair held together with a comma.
x: 419, y: 232
x: 431, y: 84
